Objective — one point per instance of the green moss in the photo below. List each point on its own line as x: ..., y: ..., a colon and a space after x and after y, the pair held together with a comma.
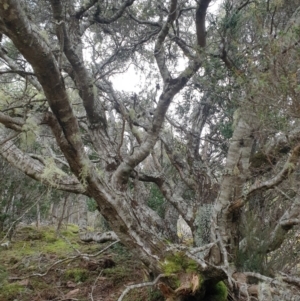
x: 68, y: 234
x: 3, y: 274
x: 30, y: 233
x: 176, y: 266
x: 132, y: 114
x: 51, y: 243
x: 84, y: 174
x: 77, y: 275
x: 117, y: 274
x: 49, y: 236
x: 32, y: 241
x: 11, y: 291
x: 71, y: 228
x: 179, y: 262
x: 18, y: 251
x: 221, y: 291
x: 39, y: 284
x: 171, y: 267
x: 59, y: 247
x: 217, y: 293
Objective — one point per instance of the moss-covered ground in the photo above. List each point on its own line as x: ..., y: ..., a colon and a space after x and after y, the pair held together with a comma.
x: 29, y: 269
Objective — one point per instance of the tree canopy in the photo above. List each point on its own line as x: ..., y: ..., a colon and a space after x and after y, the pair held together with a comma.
x: 210, y: 133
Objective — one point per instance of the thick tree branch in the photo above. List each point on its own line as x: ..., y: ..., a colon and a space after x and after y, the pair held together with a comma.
x: 54, y: 177
x: 20, y: 72
x: 288, y: 169
x: 143, y: 22
x: 93, y: 107
x: 200, y: 22
x: 159, y: 45
x: 103, y: 20
x: 289, y: 219
x: 11, y: 123
x: 184, y: 47
x: 99, y: 237
x: 84, y: 7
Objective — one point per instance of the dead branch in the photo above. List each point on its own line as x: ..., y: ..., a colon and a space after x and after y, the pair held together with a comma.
x: 99, y: 237
x: 143, y: 284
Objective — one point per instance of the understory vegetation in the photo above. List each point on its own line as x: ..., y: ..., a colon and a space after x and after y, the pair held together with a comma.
x: 41, y: 265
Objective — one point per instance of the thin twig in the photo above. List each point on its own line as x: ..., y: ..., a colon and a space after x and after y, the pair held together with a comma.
x: 94, y: 285
x: 263, y: 278
x: 203, y: 248
x: 130, y: 287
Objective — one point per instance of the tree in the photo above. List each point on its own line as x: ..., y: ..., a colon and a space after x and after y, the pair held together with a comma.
x: 217, y: 138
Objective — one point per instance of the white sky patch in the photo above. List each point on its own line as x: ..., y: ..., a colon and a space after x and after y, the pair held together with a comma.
x: 214, y: 6
x: 127, y: 81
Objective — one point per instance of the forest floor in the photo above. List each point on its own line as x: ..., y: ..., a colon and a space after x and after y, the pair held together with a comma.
x: 40, y: 265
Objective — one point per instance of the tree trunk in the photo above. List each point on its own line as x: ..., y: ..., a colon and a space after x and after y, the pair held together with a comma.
x: 82, y: 212
x: 236, y: 172
x: 38, y: 215
x: 62, y: 214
